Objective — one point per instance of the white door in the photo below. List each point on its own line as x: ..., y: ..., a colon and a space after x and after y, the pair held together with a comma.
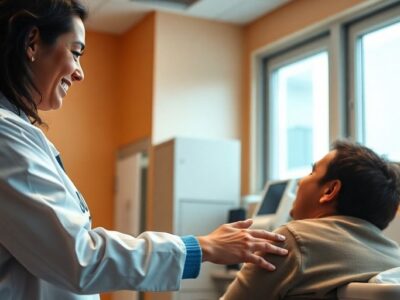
x: 128, y: 204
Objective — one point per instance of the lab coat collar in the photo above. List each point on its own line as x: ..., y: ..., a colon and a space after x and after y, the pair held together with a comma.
x: 5, y: 104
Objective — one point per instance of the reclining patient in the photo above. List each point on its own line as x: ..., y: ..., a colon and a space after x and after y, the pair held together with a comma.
x: 340, y: 210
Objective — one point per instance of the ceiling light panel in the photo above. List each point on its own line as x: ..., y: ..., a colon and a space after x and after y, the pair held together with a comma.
x: 177, y: 4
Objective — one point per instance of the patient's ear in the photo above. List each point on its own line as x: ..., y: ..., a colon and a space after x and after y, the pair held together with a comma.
x: 331, y: 191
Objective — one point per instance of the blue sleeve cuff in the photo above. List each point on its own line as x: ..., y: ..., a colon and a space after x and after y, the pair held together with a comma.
x: 193, y: 257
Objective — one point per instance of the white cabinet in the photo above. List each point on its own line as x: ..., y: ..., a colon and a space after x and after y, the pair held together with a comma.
x: 196, y: 182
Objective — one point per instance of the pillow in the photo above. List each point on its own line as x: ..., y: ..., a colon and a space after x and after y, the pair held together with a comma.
x: 388, y: 276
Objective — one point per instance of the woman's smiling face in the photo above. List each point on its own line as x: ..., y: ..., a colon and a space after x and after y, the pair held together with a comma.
x: 56, y: 67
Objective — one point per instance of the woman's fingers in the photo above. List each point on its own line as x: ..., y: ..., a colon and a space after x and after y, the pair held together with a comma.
x: 235, y: 243
x: 242, y: 224
x: 265, y: 247
x: 263, y: 234
x: 258, y: 233
x: 260, y: 261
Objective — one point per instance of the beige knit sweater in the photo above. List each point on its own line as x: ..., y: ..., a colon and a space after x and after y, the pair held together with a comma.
x: 324, y: 254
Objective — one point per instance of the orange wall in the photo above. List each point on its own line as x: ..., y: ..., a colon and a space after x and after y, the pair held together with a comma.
x: 135, y: 88
x: 83, y: 130
x: 294, y: 16
x: 112, y: 107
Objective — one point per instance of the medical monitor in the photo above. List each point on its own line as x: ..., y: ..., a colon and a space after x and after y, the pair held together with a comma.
x: 271, y: 197
x: 276, y: 202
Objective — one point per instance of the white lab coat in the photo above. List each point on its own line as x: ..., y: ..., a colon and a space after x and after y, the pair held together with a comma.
x: 48, y: 249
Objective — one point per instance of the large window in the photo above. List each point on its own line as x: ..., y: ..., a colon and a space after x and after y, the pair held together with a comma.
x: 375, y: 83
x: 297, y: 110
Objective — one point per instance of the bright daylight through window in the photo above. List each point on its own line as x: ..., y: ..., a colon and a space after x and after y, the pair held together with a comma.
x: 379, y: 52
x: 300, y: 115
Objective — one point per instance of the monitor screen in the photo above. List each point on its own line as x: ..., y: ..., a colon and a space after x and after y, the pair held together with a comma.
x: 272, y: 197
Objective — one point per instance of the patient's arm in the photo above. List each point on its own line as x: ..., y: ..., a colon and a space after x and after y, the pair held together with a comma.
x: 255, y: 283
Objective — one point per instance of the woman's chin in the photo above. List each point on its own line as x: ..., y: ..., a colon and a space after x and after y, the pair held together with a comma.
x: 53, y: 105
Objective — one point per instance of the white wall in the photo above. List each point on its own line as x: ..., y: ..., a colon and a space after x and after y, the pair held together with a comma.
x: 197, y: 78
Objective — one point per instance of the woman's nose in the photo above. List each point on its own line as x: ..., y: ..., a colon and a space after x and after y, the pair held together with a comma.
x: 78, y: 74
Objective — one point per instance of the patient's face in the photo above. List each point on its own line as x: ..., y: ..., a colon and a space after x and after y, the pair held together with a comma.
x: 309, y: 192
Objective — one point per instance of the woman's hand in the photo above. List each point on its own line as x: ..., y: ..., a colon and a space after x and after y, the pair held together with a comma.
x: 235, y: 243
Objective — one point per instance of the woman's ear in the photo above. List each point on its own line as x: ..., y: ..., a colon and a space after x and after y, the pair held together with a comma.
x: 331, y: 191
x: 32, y: 44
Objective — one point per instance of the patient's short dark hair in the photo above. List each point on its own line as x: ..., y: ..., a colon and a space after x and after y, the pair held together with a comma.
x: 370, y: 184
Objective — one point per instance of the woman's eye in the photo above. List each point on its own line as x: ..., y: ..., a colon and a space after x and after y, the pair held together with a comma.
x: 76, y: 54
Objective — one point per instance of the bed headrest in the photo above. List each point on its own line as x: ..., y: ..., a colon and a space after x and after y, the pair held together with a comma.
x: 388, y: 276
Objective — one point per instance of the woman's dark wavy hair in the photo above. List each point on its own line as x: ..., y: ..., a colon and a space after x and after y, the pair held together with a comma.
x: 370, y: 184
x: 17, y: 18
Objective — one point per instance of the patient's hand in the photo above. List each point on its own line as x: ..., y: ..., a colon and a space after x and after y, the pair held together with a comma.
x: 235, y: 243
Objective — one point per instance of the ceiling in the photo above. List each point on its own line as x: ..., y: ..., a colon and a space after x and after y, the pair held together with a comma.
x: 117, y: 16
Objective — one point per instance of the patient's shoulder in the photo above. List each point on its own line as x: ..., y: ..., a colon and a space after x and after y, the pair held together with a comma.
x: 331, y: 225
x: 325, y: 233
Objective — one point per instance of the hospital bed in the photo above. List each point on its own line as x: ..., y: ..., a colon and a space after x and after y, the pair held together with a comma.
x: 369, y: 291
x: 384, y: 286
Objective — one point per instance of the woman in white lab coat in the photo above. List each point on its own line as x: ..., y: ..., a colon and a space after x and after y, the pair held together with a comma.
x: 48, y: 249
